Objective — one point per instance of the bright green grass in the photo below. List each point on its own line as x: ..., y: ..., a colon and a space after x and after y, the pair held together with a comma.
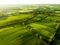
x: 43, y: 30
x: 11, y: 33
x: 11, y: 19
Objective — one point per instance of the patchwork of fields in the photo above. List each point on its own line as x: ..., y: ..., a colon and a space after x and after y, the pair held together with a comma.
x: 30, y: 26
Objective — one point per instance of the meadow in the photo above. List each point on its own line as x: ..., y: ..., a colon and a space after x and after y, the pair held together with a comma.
x: 30, y: 25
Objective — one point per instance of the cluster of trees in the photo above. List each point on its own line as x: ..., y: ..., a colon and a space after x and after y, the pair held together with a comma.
x: 45, y: 10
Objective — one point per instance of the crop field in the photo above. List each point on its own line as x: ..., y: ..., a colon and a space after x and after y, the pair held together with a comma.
x: 30, y: 25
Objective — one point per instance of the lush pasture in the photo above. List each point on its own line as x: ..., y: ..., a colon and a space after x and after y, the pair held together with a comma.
x: 39, y: 27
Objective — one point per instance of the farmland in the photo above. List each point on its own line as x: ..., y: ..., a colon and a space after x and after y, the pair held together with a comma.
x: 30, y: 25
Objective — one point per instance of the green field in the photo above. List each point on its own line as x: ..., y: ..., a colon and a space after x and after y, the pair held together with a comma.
x: 30, y: 25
